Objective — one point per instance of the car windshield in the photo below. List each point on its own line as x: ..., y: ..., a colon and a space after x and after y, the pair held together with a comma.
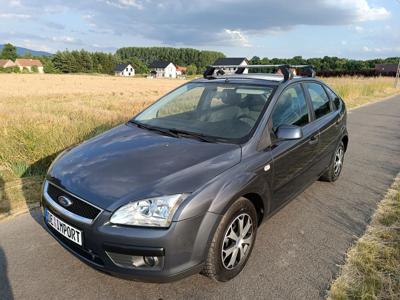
x: 222, y: 111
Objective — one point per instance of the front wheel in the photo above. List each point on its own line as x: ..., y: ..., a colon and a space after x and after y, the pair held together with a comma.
x: 233, y: 242
x: 335, y: 168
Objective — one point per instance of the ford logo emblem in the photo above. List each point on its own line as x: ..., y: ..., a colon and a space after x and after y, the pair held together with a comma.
x: 64, y: 201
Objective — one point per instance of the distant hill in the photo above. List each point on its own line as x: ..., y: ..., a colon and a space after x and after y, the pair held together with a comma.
x: 21, y: 51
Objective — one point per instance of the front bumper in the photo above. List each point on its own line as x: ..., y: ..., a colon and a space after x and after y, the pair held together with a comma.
x: 181, y: 248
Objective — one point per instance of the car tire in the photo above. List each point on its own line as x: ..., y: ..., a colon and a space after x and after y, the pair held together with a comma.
x: 336, y: 165
x: 237, y: 230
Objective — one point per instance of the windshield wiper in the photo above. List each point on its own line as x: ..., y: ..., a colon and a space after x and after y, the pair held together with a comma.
x: 176, y: 132
x: 196, y: 135
x: 155, y: 128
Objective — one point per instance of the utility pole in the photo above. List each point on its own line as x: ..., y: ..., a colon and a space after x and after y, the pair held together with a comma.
x: 396, y: 81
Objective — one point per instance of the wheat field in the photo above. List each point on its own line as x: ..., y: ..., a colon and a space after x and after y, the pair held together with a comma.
x: 42, y: 114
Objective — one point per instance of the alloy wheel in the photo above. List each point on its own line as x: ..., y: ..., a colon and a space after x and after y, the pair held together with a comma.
x: 338, y: 161
x: 237, y: 241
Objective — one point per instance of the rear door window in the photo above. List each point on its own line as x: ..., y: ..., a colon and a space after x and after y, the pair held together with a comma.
x: 319, y: 98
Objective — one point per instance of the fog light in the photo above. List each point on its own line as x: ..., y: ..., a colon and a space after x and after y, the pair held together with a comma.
x: 151, y: 261
x: 136, y: 262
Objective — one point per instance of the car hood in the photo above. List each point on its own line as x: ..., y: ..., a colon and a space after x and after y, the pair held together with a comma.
x: 128, y: 163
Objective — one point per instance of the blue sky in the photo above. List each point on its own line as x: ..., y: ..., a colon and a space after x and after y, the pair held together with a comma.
x: 266, y: 28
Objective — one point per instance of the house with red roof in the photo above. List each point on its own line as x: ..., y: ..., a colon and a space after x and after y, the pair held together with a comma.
x: 180, y: 70
x: 6, y: 63
x: 28, y: 63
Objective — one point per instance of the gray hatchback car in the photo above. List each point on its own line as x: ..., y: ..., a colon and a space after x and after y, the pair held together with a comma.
x: 183, y: 186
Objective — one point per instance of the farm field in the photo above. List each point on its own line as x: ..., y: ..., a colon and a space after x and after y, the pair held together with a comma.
x: 40, y: 115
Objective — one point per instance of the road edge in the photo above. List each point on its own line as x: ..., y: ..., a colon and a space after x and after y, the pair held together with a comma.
x: 367, y: 270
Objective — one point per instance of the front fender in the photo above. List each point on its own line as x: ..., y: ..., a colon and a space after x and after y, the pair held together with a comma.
x: 217, y: 196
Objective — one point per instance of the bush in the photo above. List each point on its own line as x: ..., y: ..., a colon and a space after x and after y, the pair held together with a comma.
x: 340, y: 73
x: 48, y: 66
x: 191, y: 70
x: 35, y: 69
x: 9, y: 70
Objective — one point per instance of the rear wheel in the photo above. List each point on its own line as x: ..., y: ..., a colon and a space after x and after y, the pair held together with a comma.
x: 335, y: 168
x: 233, y: 242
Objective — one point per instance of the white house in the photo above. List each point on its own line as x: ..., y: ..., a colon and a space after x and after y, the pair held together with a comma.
x: 163, y: 69
x: 28, y: 63
x: 124, y: 70
x: 232, y: 61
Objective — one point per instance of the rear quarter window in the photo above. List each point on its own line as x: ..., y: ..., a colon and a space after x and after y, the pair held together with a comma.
x: 334, y: 98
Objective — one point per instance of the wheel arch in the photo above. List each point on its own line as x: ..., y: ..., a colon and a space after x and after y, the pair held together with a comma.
x: 257, y: 201
x: 345, y: 140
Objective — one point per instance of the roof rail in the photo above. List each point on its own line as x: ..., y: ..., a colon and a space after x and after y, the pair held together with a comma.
x: 213, y: 71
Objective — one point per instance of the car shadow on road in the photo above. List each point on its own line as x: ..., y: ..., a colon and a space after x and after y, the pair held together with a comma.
x: 5, y: 287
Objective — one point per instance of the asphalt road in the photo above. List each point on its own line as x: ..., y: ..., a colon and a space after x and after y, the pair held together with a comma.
x: 296, y: 254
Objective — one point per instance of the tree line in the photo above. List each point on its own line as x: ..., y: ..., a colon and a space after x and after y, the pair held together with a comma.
x: 82, y: 61
x: 198, y: 60
x: 330, y: 65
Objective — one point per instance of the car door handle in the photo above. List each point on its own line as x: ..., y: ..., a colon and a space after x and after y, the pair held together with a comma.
x: 313, y: 140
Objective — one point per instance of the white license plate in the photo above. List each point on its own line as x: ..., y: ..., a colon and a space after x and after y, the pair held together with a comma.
x: 65, y: 229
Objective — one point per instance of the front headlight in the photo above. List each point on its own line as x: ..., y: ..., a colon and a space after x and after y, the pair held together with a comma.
x: 154, y: 212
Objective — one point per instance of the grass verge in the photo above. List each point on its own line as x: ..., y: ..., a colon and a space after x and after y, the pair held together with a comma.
x: 372, y: 266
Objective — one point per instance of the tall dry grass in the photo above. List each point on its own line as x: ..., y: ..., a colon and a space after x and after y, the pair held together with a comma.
x: 360, y: 90
x: 40, y: 115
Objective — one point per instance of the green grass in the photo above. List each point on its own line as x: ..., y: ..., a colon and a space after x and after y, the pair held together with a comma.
x: 372, y: 267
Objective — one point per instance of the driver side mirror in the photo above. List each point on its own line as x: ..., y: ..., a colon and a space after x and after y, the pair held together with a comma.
x: 289, y: 132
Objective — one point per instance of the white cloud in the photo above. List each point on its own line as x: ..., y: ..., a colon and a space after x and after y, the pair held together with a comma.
x: 65, y: 39
x: 236, y: 37
x: 125, y: 3
x: 380, y: 50
x: 359, y: 29
x: 36, y: 46
x: 15, y: 3
x: 14, y: 16
x: 361, y: 10
x: 366, y: 49
x: 199, y: 22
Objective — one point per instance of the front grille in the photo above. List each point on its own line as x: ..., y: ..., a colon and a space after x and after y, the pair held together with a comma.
x: 78, y: 206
